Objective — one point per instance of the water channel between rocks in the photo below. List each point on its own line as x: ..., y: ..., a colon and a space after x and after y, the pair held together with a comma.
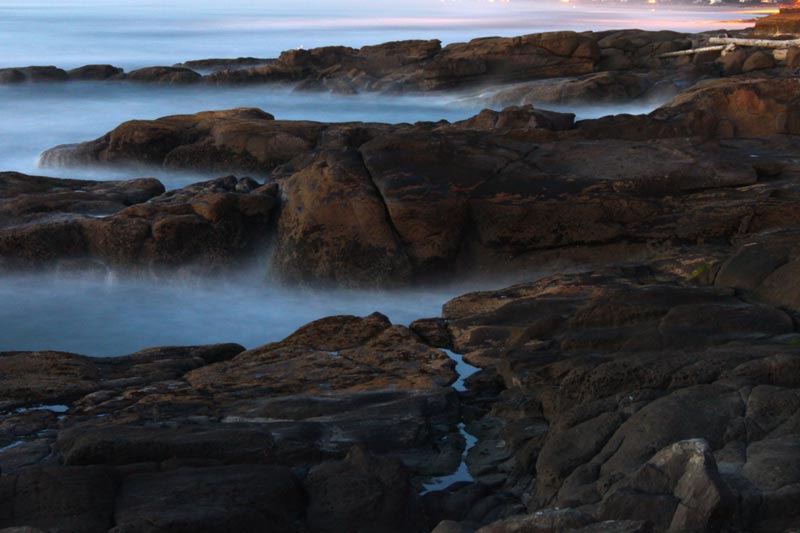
x: 464, y: 370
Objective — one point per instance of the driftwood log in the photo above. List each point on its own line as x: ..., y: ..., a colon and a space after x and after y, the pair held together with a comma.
x: 728, y: 44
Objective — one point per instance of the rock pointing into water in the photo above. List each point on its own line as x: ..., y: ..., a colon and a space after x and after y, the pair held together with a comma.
x: 131, y: 225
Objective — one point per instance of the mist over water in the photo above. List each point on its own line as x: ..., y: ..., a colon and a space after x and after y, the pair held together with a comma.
x: 102, y: 315
x: 40, y: 116
x: 147, y: 32
x: 106, y: 315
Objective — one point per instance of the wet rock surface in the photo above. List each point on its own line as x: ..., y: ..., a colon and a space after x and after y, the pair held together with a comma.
x: 650, y: 386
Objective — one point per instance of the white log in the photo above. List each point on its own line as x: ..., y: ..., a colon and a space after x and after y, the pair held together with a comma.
x: 694, y: 51
x: 764, y: 43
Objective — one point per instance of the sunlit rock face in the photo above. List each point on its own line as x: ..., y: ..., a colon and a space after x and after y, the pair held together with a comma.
x: 787, y: 22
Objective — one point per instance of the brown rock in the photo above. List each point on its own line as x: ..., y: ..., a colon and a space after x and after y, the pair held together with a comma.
x: 758, y: 60
x: 793, y: 58
x: 31, y: 74
x: 94, y: 72
x: 523, y: 117
x: 164, y: 75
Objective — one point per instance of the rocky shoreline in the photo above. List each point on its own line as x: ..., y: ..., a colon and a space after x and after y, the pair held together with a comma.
x: 655, y: 388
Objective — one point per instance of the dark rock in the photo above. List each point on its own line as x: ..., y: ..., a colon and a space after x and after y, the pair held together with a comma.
x: 612, y: 383
x: 214, y: 65
x: 433, y: 331
x: 733, y: 62
x: 758, y: 60
x: 363, y: 493
x: 544, y: 521
x: 424, y: 65
x: 793, y: 58
x: 684, y: 473
x: 208, y: 224
x: 32, y: 74
x: 164, y: 75
x: 94, y: 72
x: 231, y: 498
x: 59, y: 498
x: 512, y: 118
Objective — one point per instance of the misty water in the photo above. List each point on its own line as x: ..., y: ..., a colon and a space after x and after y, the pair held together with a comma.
x: 103, y: 314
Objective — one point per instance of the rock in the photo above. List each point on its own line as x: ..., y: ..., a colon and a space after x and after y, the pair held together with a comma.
x: 31, y: 74
x: 545, y: 521
x: 363, y: 203
x: 608, y: 384
x: 164, y: 75
x: 714, y: 109
x: 605, y: 87
x: 765, y: 264
x: 337, y: 193
x: 792, y: 60
x: 616, y: 526
x: 241, y: 498
x: 214, y: 65
x: 94, y: 72
x: 449, y: 526
x: 638, y: 48
x: 336, y: 353
x: 363, y: 493
x: 758, y: 60
x: 425, y: 65
x: 433, y: 331
x: 518, y: 118
x: 207, y: 224
x: 32, y: 378
x: 27, y: 199
x: 159, y: 424
x: 733, y: 62
x: 685, y: 477
x: 65, y: 498
x: 785, y: 22
x: 725, y: 108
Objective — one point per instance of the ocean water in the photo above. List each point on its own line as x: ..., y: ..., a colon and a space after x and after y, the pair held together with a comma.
x: 106, y: 315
